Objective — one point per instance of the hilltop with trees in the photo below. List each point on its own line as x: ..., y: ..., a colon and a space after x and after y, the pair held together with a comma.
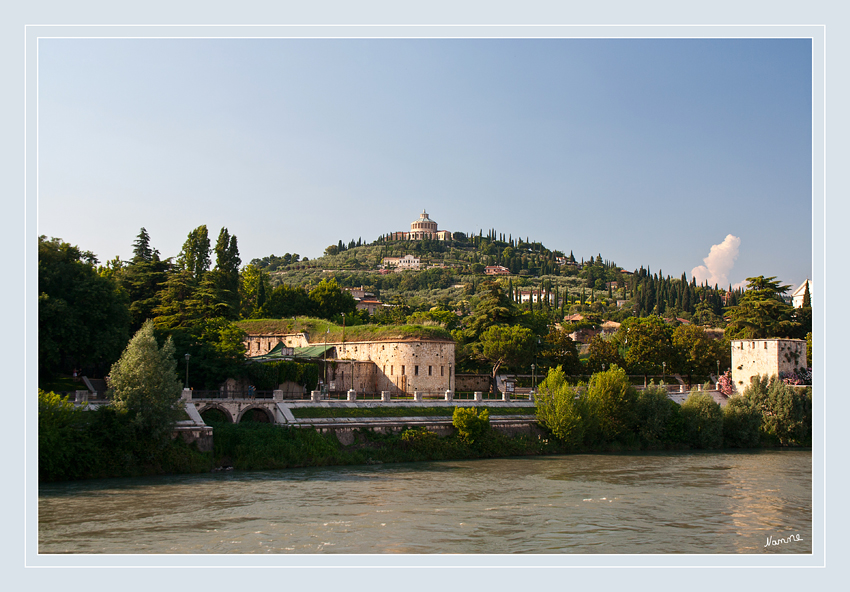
x: 201, y: 297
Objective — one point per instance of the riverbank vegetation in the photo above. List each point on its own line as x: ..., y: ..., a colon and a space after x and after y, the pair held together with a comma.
x: 78, y: 444
x: 608, y: 413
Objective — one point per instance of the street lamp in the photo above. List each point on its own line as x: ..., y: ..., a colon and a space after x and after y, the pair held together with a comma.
x: 343, y: 328
x: 187, y: 369
x: 533, y: 377
x: 718, y: 369
x: 663, y: 370
x: 325, y: 354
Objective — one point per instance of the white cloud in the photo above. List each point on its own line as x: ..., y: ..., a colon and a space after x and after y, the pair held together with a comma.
x: 718, y: 264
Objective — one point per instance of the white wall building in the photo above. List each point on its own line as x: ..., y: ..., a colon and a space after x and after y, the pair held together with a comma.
x: 765, y: 357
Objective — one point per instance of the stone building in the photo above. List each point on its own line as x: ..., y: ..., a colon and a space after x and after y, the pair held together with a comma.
x: 422, y: 228
x: 398, y: 366
x: 752, y: 357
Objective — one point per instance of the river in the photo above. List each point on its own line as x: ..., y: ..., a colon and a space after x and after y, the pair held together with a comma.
x: 666, y: 502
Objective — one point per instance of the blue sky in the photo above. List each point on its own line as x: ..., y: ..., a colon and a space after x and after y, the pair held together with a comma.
x: 649, y: 152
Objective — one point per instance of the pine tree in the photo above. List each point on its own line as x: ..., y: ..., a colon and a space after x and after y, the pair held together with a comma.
x: 141, y: 247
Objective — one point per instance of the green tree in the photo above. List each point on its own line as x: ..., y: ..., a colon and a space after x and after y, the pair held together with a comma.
x: 226, y: 272
x: 195, y: 255
x: 144, y: 384
x: 511, y: 346
x: 217, y: 350
x: 613, y: 400
x: 741, y: 423
x: 143, y: 278
x: 696, y: 352
x: 254, y: 290
x: 83, y: 318
x: 446, y: 318
x: 329, y: 300
x: 562, y: 408
x: 494, y: 308
x: 285, y: 301
x: 703, y: 421
x: 761, y: 312
x: 809, y: 349
x: 652, y: 412
x: 786, y: 410
x: 560, y: 350
x: 648, y: 344
x: 602, y: 353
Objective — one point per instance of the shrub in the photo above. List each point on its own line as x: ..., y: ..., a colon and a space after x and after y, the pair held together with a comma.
x: 741, y: 423
x: 786, y: 410
x: 561, y: 409
x: 612, y: 399
x: 470, y: 424
x: 652, y: 413
x: 703, y: 421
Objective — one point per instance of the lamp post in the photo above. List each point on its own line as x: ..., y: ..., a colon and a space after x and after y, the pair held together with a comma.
x: 325, y: 354
x: 187, y: 369
x: 718, y: 369
x: 663, y: 370
x: 343, y: 328
x: 533, y: 377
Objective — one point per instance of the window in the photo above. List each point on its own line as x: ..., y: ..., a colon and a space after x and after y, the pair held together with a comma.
x: 391, y: 370
x: 429, y: 370
x: 402, y: 370
x: 442, y: 370
x: 416, y: 370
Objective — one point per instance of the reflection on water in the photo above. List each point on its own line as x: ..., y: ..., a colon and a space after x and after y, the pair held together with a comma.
x: 681, y: 502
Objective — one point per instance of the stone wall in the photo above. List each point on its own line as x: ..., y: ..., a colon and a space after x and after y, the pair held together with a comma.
x: 753, y: 357
x: 472, y: 382
x: 405, y: 366
x: 257, y: 345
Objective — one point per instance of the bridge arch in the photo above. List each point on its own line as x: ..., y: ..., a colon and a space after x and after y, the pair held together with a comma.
x: 258, y: 413
x: 214, y: 409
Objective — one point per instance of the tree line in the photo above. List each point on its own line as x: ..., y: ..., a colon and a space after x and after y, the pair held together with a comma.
x: 608, y: 412
x: 88, y: 312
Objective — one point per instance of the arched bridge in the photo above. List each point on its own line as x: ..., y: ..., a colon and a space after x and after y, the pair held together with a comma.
x: 238, y: 408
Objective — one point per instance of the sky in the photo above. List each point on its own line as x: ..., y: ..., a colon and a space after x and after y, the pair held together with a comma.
x: 683, y: 155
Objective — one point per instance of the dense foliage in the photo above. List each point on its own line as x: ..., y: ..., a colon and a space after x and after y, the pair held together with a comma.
x: 78, y: 444
x: 268, y: 375
x: 144, y: 384
x: 83, y: 317
x: 609, y: 413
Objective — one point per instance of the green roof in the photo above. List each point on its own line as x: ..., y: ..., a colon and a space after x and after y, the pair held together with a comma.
x: 277, y: 352
x: 313, y: 351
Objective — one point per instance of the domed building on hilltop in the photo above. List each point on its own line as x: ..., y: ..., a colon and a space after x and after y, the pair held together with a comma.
x: 420, y: 229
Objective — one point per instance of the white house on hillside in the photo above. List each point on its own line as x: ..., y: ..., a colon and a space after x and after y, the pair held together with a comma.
x: 797, y: 296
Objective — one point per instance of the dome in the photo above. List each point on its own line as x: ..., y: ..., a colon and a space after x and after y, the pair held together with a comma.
x: 423, y: 217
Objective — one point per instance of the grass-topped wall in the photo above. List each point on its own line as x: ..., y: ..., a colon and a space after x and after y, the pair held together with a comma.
x: 315, y: 329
